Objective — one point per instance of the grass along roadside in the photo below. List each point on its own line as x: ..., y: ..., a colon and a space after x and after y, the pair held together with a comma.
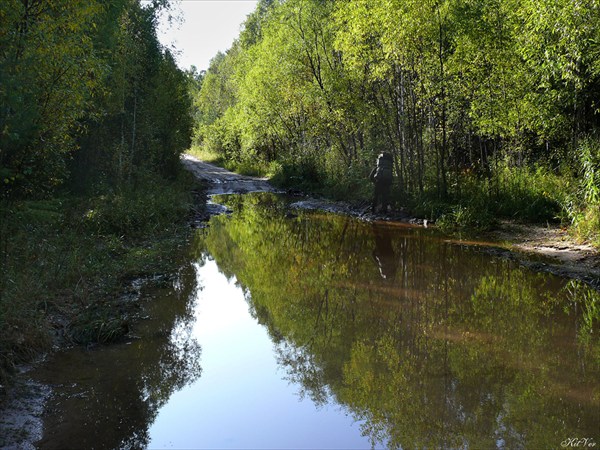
x: 66, y: 263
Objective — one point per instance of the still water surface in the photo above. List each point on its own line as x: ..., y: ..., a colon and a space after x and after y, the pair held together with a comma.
x: 242, y: 399
x: 313, y: 330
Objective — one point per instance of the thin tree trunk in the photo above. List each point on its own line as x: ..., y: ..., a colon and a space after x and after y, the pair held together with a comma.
x: 133, y: 130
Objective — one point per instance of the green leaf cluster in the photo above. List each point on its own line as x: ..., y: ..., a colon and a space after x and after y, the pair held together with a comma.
x: 87, y: 94
x: 94, y: 115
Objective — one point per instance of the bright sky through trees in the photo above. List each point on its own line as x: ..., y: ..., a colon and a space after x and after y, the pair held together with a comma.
x: 203, y: 28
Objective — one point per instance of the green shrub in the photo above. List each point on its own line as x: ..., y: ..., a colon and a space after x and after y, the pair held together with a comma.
x: 203, y: 153
x: 99, y: 325
x: 528, y: 194
x: 516, y: 193
x: 304, y: 174
x: 583, y: 205
x: 138, y: 211
x: 465, y: 217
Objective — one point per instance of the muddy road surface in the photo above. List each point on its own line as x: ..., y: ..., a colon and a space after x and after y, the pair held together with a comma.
x: 222, y: 181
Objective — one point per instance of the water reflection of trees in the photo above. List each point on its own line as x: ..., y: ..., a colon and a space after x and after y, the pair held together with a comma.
x: 108, y: 398
x: 454, y: 349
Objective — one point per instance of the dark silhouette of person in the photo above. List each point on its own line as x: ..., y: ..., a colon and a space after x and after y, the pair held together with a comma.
x: 382, y: 176
x: 384, y: 255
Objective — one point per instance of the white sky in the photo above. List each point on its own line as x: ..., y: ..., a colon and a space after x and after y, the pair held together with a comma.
x: 209, y: 26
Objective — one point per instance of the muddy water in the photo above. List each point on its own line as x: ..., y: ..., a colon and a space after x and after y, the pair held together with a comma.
x: 311, y: 330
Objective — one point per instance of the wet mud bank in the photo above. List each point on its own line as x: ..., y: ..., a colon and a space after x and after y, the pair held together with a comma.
x: 21, y: 413
x: 23, y: 402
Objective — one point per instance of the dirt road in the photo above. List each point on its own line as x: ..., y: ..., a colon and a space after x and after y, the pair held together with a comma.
x: 222, y: 181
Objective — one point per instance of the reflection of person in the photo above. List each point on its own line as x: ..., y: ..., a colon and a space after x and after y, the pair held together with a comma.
x: 384, y: 255
x: 381, y: 176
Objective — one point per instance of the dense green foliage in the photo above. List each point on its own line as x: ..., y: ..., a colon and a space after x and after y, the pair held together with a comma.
x: 467, y: 95
x: 431, y: 344
x: 86, y: 92
x: 94, y: 114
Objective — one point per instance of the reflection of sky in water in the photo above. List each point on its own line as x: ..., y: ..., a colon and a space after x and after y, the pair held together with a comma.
x: 242, y: 400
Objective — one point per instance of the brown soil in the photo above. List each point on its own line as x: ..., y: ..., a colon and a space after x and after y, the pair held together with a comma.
x: 221, y: 181
x: 562, y: 254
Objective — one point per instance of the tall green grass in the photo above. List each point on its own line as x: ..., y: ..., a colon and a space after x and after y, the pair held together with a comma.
x: 204, y: 153
x: 244, y: 166
x: 524, y: 194
x: 582, y: 206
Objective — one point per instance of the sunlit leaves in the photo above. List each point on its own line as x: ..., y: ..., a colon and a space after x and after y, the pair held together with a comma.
x: 447, y: 87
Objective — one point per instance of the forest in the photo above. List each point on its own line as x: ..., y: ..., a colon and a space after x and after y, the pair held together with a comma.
x: 94, y: 114
x: 489, y: 107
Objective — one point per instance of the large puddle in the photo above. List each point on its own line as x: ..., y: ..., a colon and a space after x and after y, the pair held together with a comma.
x: 313, y: 330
